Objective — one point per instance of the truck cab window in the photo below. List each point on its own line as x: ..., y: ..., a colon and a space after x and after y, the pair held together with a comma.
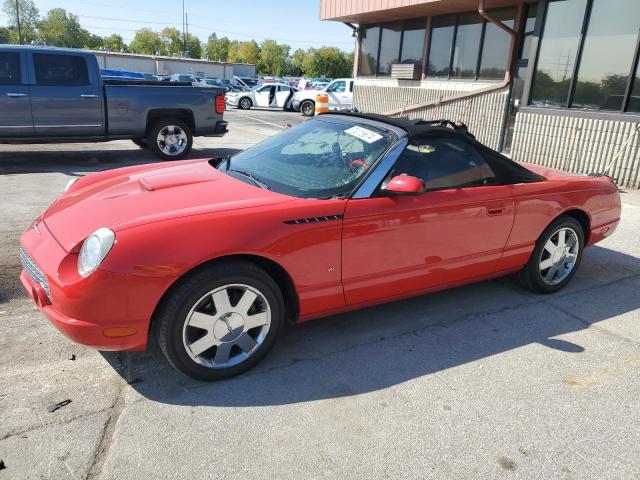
x: 60, y: 70
x: 337, y: 87
x: 9, y: 68
x: 443, y: 163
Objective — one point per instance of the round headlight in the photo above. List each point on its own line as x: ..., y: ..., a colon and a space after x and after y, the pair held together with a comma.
x: 94, y: 249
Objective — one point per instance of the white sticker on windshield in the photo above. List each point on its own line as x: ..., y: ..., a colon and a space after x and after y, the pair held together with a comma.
x: 363, y: 134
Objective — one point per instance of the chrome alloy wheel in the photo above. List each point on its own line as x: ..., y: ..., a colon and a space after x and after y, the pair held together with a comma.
x: 559, y: 256
x: 245, y: 103
x: 172, y: 140
x: 226, y: 326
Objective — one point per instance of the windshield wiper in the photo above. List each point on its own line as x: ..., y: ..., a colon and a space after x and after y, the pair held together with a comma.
x: 250, y: 176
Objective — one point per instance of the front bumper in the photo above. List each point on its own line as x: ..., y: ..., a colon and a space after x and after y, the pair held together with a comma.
x: 106, y: 311
x: 233, y: 101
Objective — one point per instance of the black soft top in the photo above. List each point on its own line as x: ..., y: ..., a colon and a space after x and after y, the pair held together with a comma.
x: 414, y: 127
x: 506, y: 169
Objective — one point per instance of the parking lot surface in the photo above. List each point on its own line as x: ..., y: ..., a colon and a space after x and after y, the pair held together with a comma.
x: 483, y: 381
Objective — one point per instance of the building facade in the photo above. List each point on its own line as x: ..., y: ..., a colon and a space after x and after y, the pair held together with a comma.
x: 551, y: 82
x: 170, y: 65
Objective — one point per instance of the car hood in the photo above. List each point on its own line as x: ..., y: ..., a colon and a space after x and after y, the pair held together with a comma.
x: 129, y: 197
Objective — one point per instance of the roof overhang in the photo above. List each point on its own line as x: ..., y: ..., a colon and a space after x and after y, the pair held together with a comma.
x: 374, y: 11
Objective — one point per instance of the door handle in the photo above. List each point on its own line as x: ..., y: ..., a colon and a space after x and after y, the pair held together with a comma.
x: 88, y: 95
x: 497, y: 209
x: 16, y: 95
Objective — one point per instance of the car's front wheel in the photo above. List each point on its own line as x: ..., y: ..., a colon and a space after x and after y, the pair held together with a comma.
x: 170, y: 139
x: 220, y: 321
x: 556, y: 257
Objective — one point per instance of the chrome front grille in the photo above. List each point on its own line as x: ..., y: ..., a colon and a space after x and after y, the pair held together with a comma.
x: 34, y: 272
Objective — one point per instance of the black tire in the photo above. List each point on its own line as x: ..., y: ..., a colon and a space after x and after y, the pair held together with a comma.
x: 154, y: 143
x: 531, y: 276
x: 142, y: 143
x: 308, y: 108
x: 245, y: 103
x: 169, y: 321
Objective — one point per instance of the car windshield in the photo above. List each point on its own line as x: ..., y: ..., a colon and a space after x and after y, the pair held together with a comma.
x: 320, y: 158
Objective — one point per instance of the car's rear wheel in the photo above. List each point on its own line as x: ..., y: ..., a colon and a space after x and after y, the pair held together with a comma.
x: 220, y: 321
x: 307, y: 108
x: 556, y: 257
x: 244, y: 103
x: 142, y: 143
x: 170, y: 139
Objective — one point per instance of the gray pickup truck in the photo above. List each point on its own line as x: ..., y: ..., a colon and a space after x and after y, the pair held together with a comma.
x: 57, y: 95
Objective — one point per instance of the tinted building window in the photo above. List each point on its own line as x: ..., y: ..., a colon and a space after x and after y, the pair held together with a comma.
x: 389, y: 47
x: 10, y: 69
x: 607, y: 55
x: 440, y: 46
x: 413, y: 41
x: 634, y: 101
x: 557, y: 57
x: 465, y: 57
x: 60, y: 70
x: 369, y: 50
x: 495, y: 50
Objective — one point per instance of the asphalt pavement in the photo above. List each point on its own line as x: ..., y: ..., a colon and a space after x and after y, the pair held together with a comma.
x: 482, y: 381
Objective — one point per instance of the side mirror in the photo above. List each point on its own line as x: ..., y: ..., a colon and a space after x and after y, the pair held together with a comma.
x: 404, y: 185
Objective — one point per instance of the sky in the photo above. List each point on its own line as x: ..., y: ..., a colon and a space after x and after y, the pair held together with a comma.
x: 294, y: 22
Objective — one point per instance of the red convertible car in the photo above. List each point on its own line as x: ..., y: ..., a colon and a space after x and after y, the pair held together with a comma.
x: 344, y: 211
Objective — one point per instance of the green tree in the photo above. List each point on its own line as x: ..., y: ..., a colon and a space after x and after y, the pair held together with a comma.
x: 93, y: 42
x: 5, y: 35
x: 244, y: 52
x: 328, y: 61
x: 172, y: 39
x: 146, y: 41
x: 217, y: 48
x: 194, y: 46
x: 29, y: 18
x: 114, y: 42
x: 63, y: 29
x: 296, y: 63
x: 273, y: 57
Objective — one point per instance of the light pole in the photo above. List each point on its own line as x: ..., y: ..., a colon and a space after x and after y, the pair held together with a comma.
x: 184, y: 38
x: 18, y: 22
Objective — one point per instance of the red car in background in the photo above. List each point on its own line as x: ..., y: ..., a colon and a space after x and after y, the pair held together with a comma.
x: 341, y: 212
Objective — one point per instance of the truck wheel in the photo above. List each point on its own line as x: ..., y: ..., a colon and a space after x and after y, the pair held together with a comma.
x: 141, y: 143
x: 308, y: 108
x: 170, y: 139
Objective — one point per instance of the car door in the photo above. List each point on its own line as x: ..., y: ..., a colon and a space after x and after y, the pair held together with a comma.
x: 66, y: 98
x: 15, y: 103
x: 262, y: 96
x: 282, y: 95
x: 334, y: 90
x: 452, y: 233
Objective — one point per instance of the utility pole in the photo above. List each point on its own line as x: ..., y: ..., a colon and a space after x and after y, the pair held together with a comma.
x: 186, y: 35
x: 184, y: 38
x: 18, y: 22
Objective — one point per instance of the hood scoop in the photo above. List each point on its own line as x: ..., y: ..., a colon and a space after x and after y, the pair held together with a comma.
x: 166, y: 180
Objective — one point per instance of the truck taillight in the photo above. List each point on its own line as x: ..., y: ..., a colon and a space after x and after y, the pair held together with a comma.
x: 220, y: 104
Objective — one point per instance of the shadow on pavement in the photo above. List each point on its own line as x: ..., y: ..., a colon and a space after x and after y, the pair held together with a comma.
x: 380, y: 347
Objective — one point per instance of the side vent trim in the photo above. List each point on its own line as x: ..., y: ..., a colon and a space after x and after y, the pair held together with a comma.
x: 314, y: 219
